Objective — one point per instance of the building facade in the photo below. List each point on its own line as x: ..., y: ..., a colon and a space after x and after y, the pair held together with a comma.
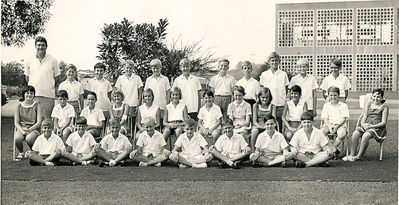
x: 363, y: 34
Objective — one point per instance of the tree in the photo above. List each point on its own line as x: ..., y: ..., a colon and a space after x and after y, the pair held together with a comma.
x: 12, y: 74
x: 22, y: 20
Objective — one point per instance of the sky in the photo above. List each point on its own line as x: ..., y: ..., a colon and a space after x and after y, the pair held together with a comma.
x: 236, y: 29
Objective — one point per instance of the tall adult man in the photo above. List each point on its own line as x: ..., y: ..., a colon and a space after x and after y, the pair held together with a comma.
x: 42, y: 71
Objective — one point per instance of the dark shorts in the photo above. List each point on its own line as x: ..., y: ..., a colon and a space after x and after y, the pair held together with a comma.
x: 223, y: 102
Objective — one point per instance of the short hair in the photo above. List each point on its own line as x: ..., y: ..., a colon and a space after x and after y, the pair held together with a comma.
x: 265, y: 90
x: 380, y: 92
x: 208, y: 93
x: 47, y: 122
x: 296, y: 88
x: 62, y: 94
x: 224, y: 60
x: 148, y: 90
x: 273, y: 55
x: 92, y: 93
x: 303, y: 60
x: 26, y: 89
x: 176, y: 89
x: 129, y: 62
x: 269, y: 117
x: 227, y: 121
x: 81, y: 120
x: 190, y: 123
x: 184, y: 61
x: 156, y: 61
x: 336, y: 61
x: 115, y: 122
x: 239, y: 89
x: 99, y: 65
x: 246, y: 63
x: 333, y: 89
x: 40, y: 39
x: 148, y: 119
x: 118, y: 91
x: 71, y: 67
x: 307, y: 116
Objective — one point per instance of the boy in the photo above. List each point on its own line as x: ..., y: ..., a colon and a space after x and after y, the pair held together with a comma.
x: 271, y: 147
x: 277, y: 81
x: 309, y: 145
x: 222, y: 85
x: 336, y: 79
x: 101, y: 87
x: 132, y: 86
x: 63, y: 115
x: 95, y: 117
x: 210, y: 117
x: 190, y: 87
x: 80, y: 144
x: 47, y: 148
x: 194, y: 148
x: 230, y: 148
x: 159, y: 84
x: 73, y: 88
x: 114, y: 147
x: 334, y: 115
x: 151, y: 146
x: 308, y: 84
x: 250, y: 85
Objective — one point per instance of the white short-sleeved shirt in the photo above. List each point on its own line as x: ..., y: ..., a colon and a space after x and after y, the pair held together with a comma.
x: 74, y: 89
x: 42, y: 74
x: 276, y: 82
x: 120, y: 144
x: 48, y: 146
x: 251, y: 87
x: 334, y: 113
x: 223, y: 85
x: 210, y: 118
x: 148, y: 111
x: 81, y: 145
x: 63, y: 114
x: 159, y: 86
x: 239, y: 111
x: 317, y: 141
x: 101, y: 88
x: 175, y: 113
x: 191, y: 147
x: 341, y: 82
x: 294, y: 112
x: 94, y: 117
x: 234, y: 145
x: 151, y: 145
x: 189, y: 88
x: 307, y: 84
x: 129, y: 87
x: 275, y: 143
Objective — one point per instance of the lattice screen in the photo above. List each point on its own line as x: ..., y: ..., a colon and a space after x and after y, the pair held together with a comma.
x: 375, y: 26
x: 374, y: 71
x: 323, y: 66
x: 334, y: 27
x: 295, y: 28
x: 288, y: 63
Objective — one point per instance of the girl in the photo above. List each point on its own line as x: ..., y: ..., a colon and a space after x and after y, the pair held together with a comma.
x: 27, y: 120
x: 262, y: 108
x: 292, y: 112
x: 175, y: 115
x: 148, y: 109
x: 240, y: 112
x: 372, y: 125
x: 120, y: 110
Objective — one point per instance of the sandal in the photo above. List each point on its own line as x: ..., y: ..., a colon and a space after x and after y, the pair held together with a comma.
x: 20, y: 157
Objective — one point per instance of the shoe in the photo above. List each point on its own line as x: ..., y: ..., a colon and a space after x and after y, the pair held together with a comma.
x: 122, y: 163
x: 101, y: 163
x: 256, y: 164
x: 50, y: 164
x: 300, y: 164
x: 336, y: 154
x: 222, y: 165
x: 182, y: 166
x: 20, y: 157
x: 75, y: 163
x: 325, y: 164
x: 142, y: 164
x: 202, y: 165
x: 235, y: 165
x: 158, y: 164
x: 348, y: 158
x: 283, y: 164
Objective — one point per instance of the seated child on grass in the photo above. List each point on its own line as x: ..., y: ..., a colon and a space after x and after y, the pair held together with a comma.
x: 292, y: 112
x: 63, y: 114
x: 148, y: 109
x: 271, y: 147
x: 334, y: 115
x: 372, y: 125
x: 309, y: 145
x: 150, y: 146
x: 194, y: 150
x: 119, y: 110
x: 47, y: 148
x: 240, y: 112
x: 230, y: 148
x: 95, y: 117
x: 210, y: 117
x: 114, y: 147
x: 175, y: 115
x: 80, y: 144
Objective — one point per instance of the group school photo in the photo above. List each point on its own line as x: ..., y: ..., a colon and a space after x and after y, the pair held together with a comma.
x: 151, y: 116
